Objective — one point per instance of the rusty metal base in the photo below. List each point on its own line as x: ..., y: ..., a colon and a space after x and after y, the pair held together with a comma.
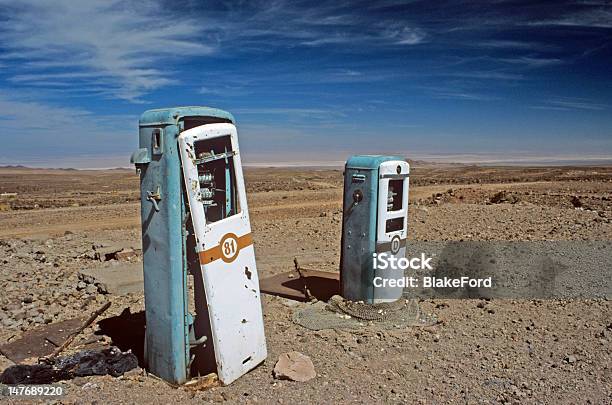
x: 41, y: 341
x: 321, y: 284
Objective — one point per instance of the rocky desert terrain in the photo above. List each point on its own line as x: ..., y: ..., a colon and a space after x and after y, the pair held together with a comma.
x: 55, y: 223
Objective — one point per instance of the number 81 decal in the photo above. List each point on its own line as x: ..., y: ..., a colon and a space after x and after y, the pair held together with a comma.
x: 229, y: 247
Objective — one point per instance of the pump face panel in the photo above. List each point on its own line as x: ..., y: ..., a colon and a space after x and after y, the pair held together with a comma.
x: 216, y: 195
x: 391, y: 224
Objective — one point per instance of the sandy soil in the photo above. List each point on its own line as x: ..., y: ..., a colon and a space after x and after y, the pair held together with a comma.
x: 500, y: 351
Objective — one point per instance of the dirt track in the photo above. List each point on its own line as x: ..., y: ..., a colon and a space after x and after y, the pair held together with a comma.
x: 500, y: 351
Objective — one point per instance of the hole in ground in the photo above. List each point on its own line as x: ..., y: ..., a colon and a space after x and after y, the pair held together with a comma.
x: 127, y: 332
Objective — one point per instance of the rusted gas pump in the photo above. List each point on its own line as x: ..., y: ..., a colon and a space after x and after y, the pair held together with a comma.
x: 196, y: 232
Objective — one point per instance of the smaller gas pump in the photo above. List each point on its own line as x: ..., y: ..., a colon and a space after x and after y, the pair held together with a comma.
x: 375, y: 221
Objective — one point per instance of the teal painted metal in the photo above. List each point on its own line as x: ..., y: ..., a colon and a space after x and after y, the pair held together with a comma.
x: 171, y: 116
x: 369, y: 162
x: 141, y: 156
x: 359, y: 224
x: 164, y: 239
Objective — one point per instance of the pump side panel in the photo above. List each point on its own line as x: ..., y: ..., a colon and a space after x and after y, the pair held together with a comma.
x: 358, y: 234
x: 162, y: 244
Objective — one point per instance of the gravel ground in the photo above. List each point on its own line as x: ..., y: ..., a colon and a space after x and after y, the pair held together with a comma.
x: 482, y: 351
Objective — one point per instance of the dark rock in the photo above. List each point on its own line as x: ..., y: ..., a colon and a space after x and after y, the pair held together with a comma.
x: 576, y: 202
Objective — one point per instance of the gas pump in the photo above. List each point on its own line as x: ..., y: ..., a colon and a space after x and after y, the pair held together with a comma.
x: 196, y: 231
x: 374, y: 221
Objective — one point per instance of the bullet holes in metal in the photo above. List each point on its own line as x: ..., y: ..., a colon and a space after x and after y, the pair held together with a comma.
x: 357, y: 196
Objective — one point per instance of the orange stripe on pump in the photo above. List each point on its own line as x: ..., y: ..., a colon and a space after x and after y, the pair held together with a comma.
x: 228, y: 248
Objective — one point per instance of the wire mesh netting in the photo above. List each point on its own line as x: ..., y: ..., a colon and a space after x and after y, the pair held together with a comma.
x: 339, y: 313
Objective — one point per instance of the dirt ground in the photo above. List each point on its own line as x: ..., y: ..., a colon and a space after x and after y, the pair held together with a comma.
x: 497, y: 351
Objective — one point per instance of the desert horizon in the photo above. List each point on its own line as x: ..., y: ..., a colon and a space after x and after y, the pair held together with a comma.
x: 448, y: 159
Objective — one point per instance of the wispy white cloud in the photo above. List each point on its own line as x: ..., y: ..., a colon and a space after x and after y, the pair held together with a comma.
x: 291, y: 111
x: 122, y: 48
x: 118, y: 44
x: 578, y: 104
x: 485, y: 75
x: 451, y: 95
x: 502, y: 43
x: 548, y: 107
x: 336, y: 39
x: 290, y: 81
x: 455, y: 91
x: 402, y: 35
x: 405, y: 35
x: 336, y: 22
x: 48, y: 130
x: 533, y: 62
x: 567, y: 104
x: 599, y: 17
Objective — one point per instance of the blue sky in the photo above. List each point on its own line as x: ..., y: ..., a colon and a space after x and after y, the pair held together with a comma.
x: 463, y: 80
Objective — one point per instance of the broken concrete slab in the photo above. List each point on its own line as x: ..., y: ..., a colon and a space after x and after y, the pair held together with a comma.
x: 125, y: 254
x: 41, y: 341
x: 105, y: 250
x: 113, y: 252
x: 117, y: 279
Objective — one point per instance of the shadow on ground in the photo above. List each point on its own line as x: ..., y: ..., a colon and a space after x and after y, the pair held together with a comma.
x: 127, y: 332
